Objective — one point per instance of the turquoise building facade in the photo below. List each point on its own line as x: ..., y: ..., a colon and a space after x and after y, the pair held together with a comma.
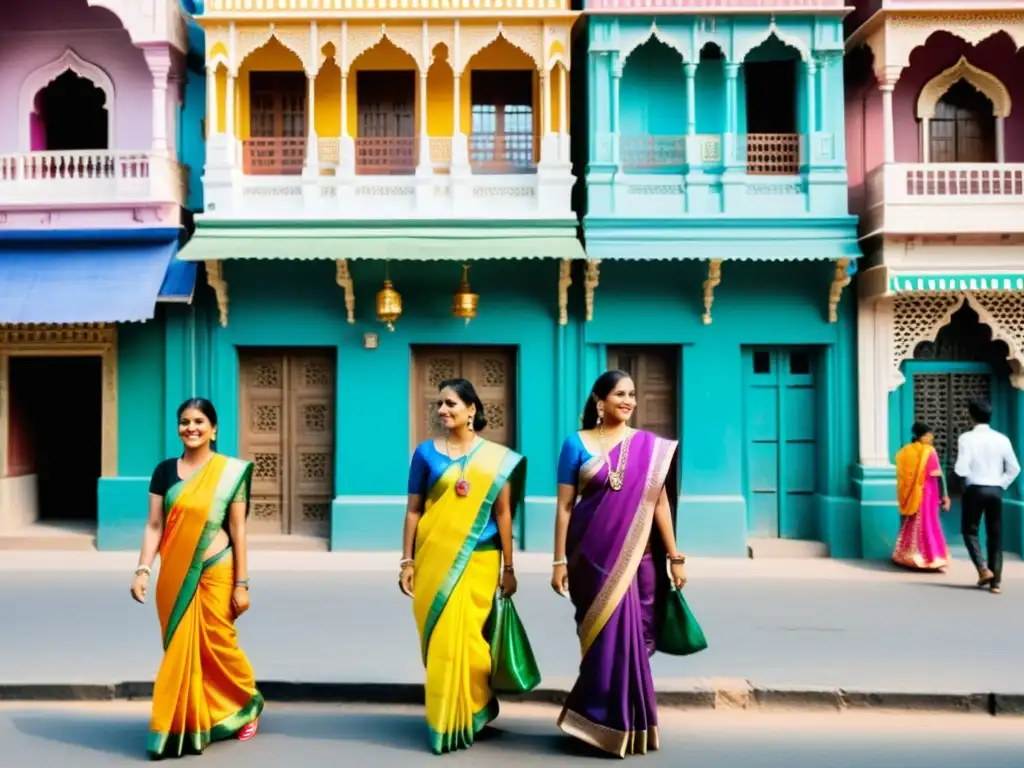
x: 716, y: 216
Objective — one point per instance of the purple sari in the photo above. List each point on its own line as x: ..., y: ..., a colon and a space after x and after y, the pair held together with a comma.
x: 613, y: 582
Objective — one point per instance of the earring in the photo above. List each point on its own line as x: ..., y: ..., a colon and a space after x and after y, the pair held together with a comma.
x: 469, y: 424
x: 600, y: 417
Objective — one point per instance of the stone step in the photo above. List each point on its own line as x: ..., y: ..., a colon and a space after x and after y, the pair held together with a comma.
x: 786, y: 549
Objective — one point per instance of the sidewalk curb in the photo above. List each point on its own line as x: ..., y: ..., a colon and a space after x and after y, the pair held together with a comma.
x: 700, y: 694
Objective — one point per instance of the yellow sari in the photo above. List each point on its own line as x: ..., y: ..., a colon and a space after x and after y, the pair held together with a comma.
x: 205, y: 690
x: 455, y: 585
x: 911, y: 472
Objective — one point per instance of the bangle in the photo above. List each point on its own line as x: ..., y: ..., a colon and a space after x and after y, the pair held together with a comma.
x: 403, y: 564
x: 678, y: 560
x: 557, y: 563
x: 144, y: 569
x: 242, y: 583
x: 510, y: 569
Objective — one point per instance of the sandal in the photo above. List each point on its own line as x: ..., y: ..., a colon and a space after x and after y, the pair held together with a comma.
x: 985, y: 577
x: 249, y: 731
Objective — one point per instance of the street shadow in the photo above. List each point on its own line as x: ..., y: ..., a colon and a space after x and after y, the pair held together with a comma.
x: 122, y: 737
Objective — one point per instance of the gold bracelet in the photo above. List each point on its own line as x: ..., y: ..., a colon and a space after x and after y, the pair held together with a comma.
x: 144, y: 569
x: 678, y: 560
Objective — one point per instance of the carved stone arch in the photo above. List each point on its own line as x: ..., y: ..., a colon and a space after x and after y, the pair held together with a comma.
x: 633, y: 41
x: 251, y: 39
x: 1003, y: 313
x: 362, y: 39
x: 987, y: 83
x: 743, y: 48
x: 918, y: 317
x: 472, y: 40
x: 219, y: 60
x: 46, y: 74
x: 557, y: 54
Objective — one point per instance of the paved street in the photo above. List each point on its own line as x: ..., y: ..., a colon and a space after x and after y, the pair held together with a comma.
x: 808, y: 623
x: 108, y: 735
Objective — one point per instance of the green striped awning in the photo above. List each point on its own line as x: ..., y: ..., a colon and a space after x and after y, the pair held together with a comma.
x: 928, y: 283
x: 391, y: 244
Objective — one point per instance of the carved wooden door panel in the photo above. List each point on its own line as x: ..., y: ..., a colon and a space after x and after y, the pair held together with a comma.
x: 492, y: 371
x: 654, y: 370
x: 287, y: 430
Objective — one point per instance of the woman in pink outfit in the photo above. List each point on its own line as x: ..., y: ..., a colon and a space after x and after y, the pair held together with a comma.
x: 921, y: 544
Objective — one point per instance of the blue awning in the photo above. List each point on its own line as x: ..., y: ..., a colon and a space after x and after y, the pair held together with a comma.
x: 86, y: 277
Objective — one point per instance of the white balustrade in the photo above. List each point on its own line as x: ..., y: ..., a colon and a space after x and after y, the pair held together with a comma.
x: 945, y: 198
x: 94, y: 177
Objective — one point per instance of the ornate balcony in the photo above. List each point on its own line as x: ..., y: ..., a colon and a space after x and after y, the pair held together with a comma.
x: 94, y: 178
x: 273, y: 156
x: 773, y: 154
x: 944, y: 199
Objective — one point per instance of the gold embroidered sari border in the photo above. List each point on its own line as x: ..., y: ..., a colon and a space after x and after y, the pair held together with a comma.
x: 615, y: 742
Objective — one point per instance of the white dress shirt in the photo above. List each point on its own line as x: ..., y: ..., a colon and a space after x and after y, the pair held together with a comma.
x: 986, y: 457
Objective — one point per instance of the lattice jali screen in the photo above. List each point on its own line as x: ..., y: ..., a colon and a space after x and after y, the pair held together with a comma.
x: 918, y: 317
x: 1003, y: 312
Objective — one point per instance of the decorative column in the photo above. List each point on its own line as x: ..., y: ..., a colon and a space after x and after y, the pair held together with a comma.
x: 159, y: 62
x: 460, y: 145
x: 807, y: 140
x: 926, y: 144
x: 616, y: 82
x: 690, y: 72
x: 888, y: 139
x: 312, y: 166
x: 548, y: 140
x: 730, y: 139
x: 563, y: 116
x: 346, y: 146
x: 212, y: 111
x: 424, y: 166
x: 1000, y: 140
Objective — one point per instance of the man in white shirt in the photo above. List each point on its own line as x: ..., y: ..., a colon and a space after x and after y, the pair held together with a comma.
x: 986, y: 462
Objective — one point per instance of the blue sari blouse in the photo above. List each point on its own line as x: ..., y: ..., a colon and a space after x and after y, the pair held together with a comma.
x: 426, y: 468
x: 573, y: 456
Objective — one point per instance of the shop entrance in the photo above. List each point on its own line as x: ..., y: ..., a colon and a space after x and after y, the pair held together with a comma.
x: 55, y: 434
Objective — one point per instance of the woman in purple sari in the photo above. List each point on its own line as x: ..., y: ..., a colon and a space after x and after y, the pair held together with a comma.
x: 613, y: 535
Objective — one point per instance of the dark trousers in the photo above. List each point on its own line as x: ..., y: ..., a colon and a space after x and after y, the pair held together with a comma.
x: 984, y: 501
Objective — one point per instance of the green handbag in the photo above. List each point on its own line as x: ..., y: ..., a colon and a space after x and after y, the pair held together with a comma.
x: 680, y: 634
x: 513, y: 666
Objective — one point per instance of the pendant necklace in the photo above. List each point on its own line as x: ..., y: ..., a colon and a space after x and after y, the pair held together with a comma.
x: 616, y: 474
x: 462, y: 484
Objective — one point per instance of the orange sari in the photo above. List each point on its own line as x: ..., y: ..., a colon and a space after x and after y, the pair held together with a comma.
x: 205, y: 690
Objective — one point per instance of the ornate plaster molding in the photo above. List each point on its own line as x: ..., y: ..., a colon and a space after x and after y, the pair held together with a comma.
x: 46, y: 74
x: 343, y: 277
x: 592, y: 278
x: 713, y: 280
x: 564, y: 281
x: 840, y: 280
x: 987, y: 83
x: 917, y: 317
x: 215, y: 277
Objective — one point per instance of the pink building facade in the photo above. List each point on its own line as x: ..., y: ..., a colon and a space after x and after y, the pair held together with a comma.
x: 91, y: 214
x: 935, y: 150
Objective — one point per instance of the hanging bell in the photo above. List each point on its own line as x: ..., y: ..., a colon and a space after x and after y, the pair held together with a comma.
x: 389, y: 305
x: 464, y: 301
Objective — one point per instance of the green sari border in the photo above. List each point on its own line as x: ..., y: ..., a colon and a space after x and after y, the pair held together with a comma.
x: 194, y: 743
x: 235, y: 472
x: 509, y: 463
x: 448, y: 742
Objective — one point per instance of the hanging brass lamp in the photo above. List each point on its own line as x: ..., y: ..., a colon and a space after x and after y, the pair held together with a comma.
x: 389, y: 303
x: 464, y: 301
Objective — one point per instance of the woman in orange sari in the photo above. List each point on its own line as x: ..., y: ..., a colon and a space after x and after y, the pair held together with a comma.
x: 205, y: 690
x: 921, y: 544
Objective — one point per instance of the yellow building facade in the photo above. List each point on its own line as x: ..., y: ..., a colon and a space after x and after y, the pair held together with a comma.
x: 389, y: 87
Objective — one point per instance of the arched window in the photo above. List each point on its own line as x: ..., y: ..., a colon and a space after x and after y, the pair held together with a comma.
x: 963, y: 129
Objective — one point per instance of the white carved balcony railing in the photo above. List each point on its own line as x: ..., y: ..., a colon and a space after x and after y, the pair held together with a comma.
x: 646, y: 154
x: 945, y: 198
x: 94, y: 177
x: 773, y: 154
x: 502, y: 153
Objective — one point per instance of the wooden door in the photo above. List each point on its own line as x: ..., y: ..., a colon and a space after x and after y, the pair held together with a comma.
x: 287, y: 431
x: 490, y: 369
x: 781, y: 444
x: 655, y: 372
x: 277, y: 123
x: 386, y: 134
x: 963, y: 128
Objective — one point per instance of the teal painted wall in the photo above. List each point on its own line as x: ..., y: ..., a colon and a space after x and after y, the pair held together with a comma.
x: 756, y: 304
x: 293, y: 304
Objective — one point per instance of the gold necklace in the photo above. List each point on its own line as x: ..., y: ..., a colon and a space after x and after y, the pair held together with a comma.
x: 617, y: 474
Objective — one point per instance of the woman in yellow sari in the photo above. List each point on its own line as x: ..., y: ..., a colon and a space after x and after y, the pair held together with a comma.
x: 205, y: 689
x: 463, y: 491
